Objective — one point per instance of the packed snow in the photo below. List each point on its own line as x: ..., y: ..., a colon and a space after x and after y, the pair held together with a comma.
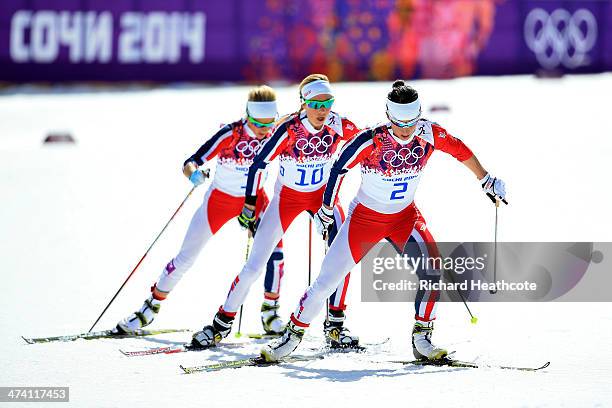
x: 75, y: 219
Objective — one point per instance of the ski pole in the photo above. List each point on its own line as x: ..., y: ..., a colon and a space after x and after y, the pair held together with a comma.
x: 326, y: 247
x: 206, y: 174
x: 309, y: 249
x: 473, y: 319
x: 246, y: 258
x: 494, y: 291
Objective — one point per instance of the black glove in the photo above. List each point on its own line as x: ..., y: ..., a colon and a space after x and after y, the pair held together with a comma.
x: 246, y: 219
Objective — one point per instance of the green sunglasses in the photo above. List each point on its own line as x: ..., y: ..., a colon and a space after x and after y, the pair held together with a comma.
x: 261, y: 124
x: 312, y: 104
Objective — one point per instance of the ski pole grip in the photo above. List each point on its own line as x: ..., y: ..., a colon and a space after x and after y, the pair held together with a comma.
x: 495, y: 200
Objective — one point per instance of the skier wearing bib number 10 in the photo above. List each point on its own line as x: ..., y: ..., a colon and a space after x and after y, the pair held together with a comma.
x: 235, y: 145
x: 304, y: 142
x: 383, y: 208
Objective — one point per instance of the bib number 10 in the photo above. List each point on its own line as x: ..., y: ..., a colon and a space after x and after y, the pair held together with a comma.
x: 316, y: 176
x: 398, y: 194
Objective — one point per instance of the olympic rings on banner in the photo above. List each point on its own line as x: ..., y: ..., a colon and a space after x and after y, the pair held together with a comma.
x: 561, y: 38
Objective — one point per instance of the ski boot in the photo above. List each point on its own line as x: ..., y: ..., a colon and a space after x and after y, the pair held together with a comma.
x: 139, y: 319
x: 283, y: 346
x: 271, y: 321
x: 336, y: 335
x: 422, y: 347
x: 211, y: 335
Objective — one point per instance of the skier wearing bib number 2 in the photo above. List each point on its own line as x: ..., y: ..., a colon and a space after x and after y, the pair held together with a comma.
x: 383, y: 208
x: 304, y: 142
x: 235, y: 145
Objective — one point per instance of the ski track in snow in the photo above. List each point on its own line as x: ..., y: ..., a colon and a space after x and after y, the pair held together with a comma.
x: 76, y: 219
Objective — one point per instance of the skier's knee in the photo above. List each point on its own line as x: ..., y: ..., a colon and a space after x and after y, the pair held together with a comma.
x: 324, y: 288
x: 181, y: 263
x: 248, y: 274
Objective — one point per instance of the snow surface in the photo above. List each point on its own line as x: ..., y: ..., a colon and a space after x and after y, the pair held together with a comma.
x: 74, y: 221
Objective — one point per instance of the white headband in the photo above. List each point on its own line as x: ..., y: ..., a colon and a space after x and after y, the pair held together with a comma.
x: 260, y: 110
x: 404, y: 111
x: 318, y: 87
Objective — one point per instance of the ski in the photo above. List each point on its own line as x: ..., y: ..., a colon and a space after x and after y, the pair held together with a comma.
x: 447, y: 362
x: 188, y: 347
x: 364, y: 345
x: 181, y: 348
x: 105, y: 334
x: 160, y: 350
x: 259, y: 335
x: 259, y: 362
x: 249, y: 362
x: 360, y: 348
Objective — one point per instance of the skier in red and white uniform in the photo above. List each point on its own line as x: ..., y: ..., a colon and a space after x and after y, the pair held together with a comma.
x: 234, y: 145
x: 304, y: 143
x: 392, y: 157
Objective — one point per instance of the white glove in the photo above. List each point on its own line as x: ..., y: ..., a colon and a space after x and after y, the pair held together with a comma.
x: 323, y: 219
x: 494, y: 188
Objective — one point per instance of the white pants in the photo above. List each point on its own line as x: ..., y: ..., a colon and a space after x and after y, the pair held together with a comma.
x: 362, y: 229
x: 285, y: 206
x: 216, y: 210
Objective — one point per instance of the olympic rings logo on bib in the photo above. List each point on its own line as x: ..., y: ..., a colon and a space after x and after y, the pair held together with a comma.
x: 405, y: 155
x: 248, y: 148
x: 314, y: 144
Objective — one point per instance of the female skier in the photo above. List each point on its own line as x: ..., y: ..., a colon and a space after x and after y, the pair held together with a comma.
x: 304, y: 142
x: 392, y: 157
x: 235, y: 146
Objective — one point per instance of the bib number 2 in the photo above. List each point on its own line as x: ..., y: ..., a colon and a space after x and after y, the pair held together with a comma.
x: 398, y: 194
